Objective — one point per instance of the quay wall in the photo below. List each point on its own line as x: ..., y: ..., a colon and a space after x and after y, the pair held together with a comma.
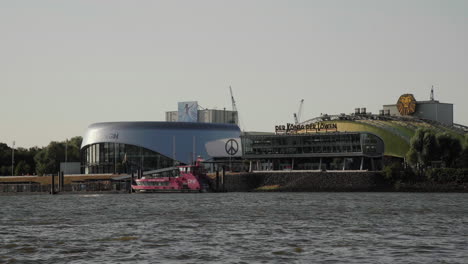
x: 306, y: 181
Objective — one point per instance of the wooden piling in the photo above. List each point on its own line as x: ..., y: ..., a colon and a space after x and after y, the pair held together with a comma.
x: 58, y: 181
x: 52, y: 185
x: 224, y: 174
x: 62, y: 181
x: 131, y: 182
x: 217, y: 179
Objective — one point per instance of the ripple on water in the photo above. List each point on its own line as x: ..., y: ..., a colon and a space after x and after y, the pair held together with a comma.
x: 26, y: 250
x: 235, y: 228
x: 10, y: 246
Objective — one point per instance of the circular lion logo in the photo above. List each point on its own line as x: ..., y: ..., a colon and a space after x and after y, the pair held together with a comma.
x: 406, y: 104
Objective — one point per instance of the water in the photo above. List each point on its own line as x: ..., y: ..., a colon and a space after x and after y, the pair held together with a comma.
x: 235, y: 228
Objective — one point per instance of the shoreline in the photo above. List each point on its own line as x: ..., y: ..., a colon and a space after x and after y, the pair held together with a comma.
x: 291, y: 181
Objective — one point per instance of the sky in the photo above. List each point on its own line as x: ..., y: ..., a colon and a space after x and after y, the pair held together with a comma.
x: 67, y: 64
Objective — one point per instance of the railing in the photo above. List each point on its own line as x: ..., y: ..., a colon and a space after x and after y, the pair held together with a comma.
x: 18, y: 188
x: 74, y: 187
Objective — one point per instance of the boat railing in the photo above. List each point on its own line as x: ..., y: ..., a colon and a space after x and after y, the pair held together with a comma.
x: 159, y: 171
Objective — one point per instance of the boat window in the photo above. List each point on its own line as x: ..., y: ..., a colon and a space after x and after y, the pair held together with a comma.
x: 153, y: 183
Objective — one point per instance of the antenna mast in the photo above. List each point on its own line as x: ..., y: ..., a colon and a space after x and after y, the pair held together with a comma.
x: 432, y: 93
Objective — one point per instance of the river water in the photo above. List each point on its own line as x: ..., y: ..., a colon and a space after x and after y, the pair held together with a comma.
x: 235, y: 228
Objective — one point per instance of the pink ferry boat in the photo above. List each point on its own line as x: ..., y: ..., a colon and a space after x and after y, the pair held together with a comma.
x: 174, y: 179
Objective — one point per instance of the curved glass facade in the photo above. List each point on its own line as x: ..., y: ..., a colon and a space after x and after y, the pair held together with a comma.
x: 109, y: 157
x: 152, y: 145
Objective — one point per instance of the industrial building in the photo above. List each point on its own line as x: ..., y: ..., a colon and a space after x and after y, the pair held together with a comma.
x: 192, y: 112
x: 430, y: 110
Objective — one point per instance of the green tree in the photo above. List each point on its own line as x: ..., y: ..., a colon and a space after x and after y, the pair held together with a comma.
x: 423, y: 148
x: 22, y: 168
x: 5, y: 170
x: 40, y: 160
x: 393, y: 172
x: 412, y: 157
x: 48, y: 159
x: 450, y: 148
x: 5, y: 159
x: 43, y: 165
x: 463, y: 159
x: 430, y: 151
x: 73, y: 149
x: 26, y: 158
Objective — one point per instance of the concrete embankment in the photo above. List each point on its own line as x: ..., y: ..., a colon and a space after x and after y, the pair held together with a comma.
x: 299, y: 181
x: 305, y: 181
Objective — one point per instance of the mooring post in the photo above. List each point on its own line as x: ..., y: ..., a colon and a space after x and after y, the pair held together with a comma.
x: 58, y: 182
x: 224, y: 173
x: 52, y: 185
x: 62, y: 174
x: 217, y: 178
x: 131, y: 182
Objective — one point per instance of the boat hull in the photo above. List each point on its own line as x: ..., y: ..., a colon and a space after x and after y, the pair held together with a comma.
x: 164, y: 191
x: 182, y: 179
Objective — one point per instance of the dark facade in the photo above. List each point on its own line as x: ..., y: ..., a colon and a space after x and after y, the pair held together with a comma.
x: 314, y: 151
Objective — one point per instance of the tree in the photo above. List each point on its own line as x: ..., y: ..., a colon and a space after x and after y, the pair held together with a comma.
x: 430, y: 151
x: 5, y: 159
x: 48, y: 159
x: 423, y: 148
x: 463, y: 159
x: 392, y: 172
x: 22, y: 168
x: 43, y: 164
x: 450, y: 148
x: 412, y: 156
x: 40, y: 160
x: 5, y: 170
x: 426, y: 146
x: 73, y: 149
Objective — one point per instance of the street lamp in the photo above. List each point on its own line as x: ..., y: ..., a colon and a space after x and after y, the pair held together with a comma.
x: 13, y: 159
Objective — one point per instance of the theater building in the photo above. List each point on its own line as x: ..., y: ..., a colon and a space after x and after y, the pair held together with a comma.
x: 314, y: 151
x: 123, y: 147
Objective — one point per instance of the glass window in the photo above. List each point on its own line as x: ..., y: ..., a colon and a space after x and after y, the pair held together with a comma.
x: 96, y: 148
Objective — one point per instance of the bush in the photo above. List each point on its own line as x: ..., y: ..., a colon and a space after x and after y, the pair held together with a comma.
x: 447, y: 175
x: 393, y: 172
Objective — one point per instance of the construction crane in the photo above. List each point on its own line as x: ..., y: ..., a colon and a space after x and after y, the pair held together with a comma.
x: 234, y: 107
x: 297, y: 117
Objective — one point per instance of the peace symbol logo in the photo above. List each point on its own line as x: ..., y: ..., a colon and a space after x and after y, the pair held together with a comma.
x: 231, y: 147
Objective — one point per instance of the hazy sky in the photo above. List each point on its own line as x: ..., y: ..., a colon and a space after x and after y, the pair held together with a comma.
x: 67, y: 64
